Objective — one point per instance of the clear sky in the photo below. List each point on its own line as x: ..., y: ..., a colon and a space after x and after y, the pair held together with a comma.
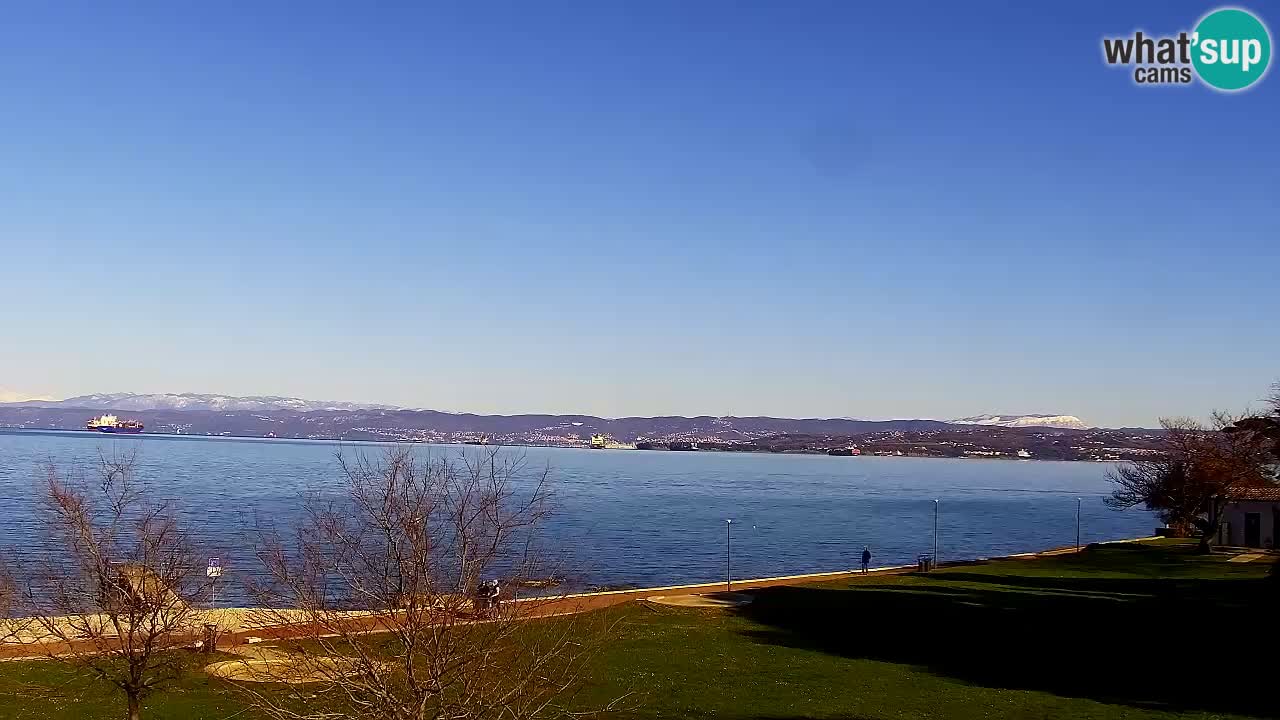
x: 788, y: 208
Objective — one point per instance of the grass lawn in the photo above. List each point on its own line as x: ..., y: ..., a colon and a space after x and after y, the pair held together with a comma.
x: 1120, y: 631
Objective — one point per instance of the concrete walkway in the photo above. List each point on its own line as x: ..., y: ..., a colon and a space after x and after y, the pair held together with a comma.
x: 1248, y: 557
x: 269, y: 665
x: 719, y: 600
x: 237, y: 624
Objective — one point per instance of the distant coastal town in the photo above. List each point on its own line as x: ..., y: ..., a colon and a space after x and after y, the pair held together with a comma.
x: 981, y: 437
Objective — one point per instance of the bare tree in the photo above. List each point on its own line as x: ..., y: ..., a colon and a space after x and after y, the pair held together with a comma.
x: 114, y: 591
x: 377, y: 593
x: 1189, y: 484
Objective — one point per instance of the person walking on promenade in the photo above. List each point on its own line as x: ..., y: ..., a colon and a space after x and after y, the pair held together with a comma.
x: 866, y: 558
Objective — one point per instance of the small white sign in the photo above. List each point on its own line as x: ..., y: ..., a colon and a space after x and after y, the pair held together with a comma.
x: 215, y: 568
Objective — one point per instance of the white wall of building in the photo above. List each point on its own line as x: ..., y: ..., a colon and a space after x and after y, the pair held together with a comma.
x: 1235, y: 523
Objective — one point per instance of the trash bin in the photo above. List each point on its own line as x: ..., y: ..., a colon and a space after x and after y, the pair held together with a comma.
x: 924, y: 563
x: 210, y: 641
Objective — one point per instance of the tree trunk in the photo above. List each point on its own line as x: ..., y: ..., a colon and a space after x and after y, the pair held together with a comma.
x: 1211, y: 528
x: 135, y: 707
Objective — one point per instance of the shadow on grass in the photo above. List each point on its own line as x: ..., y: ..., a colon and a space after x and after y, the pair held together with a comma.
x: 722, y: 715
x: 1182, y: 643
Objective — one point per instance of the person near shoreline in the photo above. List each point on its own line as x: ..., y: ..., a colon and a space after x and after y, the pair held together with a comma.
x: 487, y: 595
x: 866, y: 558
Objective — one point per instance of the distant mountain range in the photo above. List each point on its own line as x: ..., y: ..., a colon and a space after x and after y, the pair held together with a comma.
x: 1054, y: 437
x: 199, y: 401
x: 274, y: 403
x: 11, y: 396
x: 1054, y: 421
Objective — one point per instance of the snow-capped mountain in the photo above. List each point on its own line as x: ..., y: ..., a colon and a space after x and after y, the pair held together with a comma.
x: 201, y: 401
x: 13, y: 396
x: 1070, y: 422
x: 141, y: 402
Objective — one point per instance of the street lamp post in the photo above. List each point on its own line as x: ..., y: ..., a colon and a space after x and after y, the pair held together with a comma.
x: 935, y: 532
x: 1077, y: 524
x: 213, y: 571
x: 728, y: 573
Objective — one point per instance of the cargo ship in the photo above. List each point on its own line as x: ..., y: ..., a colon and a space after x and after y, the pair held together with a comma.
x: 113, y: 424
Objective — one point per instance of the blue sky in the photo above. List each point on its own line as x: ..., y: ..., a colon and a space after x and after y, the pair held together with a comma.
x: 803, y: 209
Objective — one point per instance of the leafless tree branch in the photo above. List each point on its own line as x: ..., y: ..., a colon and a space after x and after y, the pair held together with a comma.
x: 116, y: 587
x: 1189, y: 484
x: 380, y: 591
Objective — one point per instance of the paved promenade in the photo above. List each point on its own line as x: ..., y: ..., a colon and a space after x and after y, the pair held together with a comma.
x: 237, y: 626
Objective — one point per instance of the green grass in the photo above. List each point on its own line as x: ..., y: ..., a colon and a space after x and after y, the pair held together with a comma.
x: 49, y: 690
x: 1122, y: 631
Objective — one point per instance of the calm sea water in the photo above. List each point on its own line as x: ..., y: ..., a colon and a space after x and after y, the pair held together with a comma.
x: 641, y: 517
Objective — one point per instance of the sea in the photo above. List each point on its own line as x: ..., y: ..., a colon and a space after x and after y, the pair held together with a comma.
x: 624, y: 517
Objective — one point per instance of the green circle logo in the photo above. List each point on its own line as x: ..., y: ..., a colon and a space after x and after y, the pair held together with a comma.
x: 1232, y: 49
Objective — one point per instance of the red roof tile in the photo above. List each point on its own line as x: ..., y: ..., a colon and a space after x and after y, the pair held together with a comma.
x: 1265, y: 494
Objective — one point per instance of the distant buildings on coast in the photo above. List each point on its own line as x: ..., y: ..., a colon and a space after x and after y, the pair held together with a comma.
x: 836, y: 438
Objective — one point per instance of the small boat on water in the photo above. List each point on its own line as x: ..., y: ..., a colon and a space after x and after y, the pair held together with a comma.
x: 113, y: 424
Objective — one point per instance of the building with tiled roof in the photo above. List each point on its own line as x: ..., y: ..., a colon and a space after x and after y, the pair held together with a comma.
x: 1251, y: 517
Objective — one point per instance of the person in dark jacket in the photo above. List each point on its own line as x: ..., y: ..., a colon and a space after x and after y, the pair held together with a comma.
x: 866, y: 558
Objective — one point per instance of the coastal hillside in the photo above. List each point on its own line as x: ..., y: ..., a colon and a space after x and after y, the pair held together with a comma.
x: 1055, y: 437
